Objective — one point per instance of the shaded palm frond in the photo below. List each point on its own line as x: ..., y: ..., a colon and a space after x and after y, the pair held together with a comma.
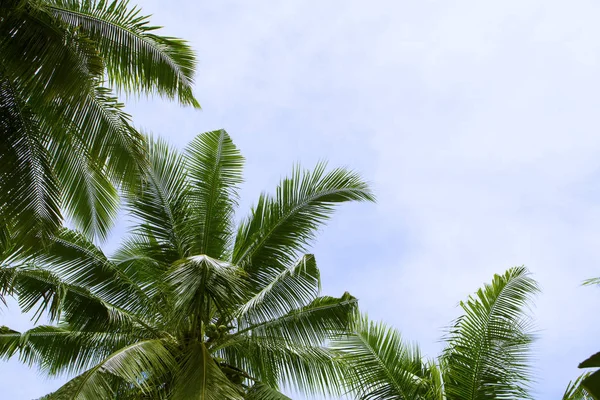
x: 135, y: 57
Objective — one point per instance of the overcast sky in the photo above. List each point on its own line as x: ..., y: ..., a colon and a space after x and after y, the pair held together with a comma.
x: 477, y: 123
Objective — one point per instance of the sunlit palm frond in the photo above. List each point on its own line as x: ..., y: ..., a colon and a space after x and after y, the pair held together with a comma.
x: 275, y: 362
x: 43, y: 293
x: 488, y: 350
x: 281, y: 227
x: 215, y: 169
x: 77, y: 261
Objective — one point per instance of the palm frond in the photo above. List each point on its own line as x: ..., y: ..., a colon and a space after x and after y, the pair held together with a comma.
x: 201, y: 283
x: 77, y: 261
x: 275, y: 362
x: 282, y: 290
x: 576, y: 391
x: 31, y: 190
x: 488, y: 347
x: 215, y: 169
x: 161, y: 206
x: 42, y: 292
x: 135, y: 364
x: 381, y: 366
x: 200, y: 377
x: 322, y: 319
x: 60, y: 350
x: 261, y: 391
x: 136, y: 58
x: 281, y: 227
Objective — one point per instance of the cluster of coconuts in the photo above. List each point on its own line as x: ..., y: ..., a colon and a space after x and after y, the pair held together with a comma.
x: 213, y: 332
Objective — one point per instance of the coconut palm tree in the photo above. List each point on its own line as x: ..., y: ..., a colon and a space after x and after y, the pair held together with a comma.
x: 192, y: 306
x: 486, y: 354
x: 65, y: 141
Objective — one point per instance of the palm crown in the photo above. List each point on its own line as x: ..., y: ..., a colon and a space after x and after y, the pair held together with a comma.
x: 191, y: 306
x: 486, y: 357
x: 65, y: 142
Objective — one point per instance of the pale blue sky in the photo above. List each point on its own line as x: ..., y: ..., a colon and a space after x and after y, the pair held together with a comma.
x: 477, y: 123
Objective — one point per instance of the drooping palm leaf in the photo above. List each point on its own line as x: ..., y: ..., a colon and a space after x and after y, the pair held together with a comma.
x: 135, y: 57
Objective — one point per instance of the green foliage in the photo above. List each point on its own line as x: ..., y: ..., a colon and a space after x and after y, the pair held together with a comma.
x: 591, y: 381
x: 486, y: 356
x: 171, y: 314
x: 66, y: 145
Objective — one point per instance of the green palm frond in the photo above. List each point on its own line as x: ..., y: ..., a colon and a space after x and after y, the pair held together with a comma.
x: 321, y: 319
x: 576, y: 391
x: 30, y: 189
x: 60, y: 350
x: 283, y: 290
x: 201, y: 378
x: 200, y: 283
x: 275, y: 362
x: 41, y: 291
x: 380, y: 366
x: 264, y: 392
x: 489, y: 346
x: 592, y: 281
x: 135, y: 365
x: 161, y: 205
x: 135, y: 57
x: 281, y: 227
x: 44, y: 57
x: 215, y: 169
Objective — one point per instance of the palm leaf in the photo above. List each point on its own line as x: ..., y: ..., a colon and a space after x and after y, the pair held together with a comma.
x: 215, y: 169
x: 487, y: 355
x: 201, y: 378
x: 161, y: 206
x: 381, y: 366
x: 576, y: 391
x: 135, y: 57
x: 135, y: 364
x: 322, y: 319
x: 61, y: 350
x: 281, y: 227
x: 282, y: 290
x: 260, y: 391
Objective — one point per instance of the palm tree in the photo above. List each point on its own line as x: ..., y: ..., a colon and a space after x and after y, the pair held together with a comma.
x: 65, y: 141
x: 486, y: 354
x: 191, y: 306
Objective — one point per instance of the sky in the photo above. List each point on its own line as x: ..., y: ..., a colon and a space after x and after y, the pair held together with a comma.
x: 476, y: 123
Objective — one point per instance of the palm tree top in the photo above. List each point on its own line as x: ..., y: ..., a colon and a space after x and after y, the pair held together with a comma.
x: 192, y: 301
